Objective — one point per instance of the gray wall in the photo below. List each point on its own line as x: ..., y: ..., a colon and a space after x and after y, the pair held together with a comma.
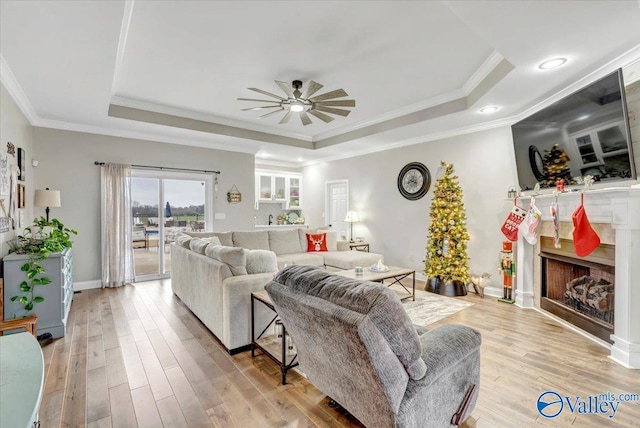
x: 66, y: 163
x: 15, y: 128
x: 397, y: 227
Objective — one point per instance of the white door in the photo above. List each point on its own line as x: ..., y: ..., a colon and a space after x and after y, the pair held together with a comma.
x: 337, y: 205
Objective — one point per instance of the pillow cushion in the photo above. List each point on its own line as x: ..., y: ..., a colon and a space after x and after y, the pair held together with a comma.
x: 183, y: 240
x: 233, y: 257
x: 215, y: 241
x: 285, y: 242
x: 198, y: 245
x: 316, y: 242
x: 332, y: 238
x: 261, y: 261
x: 256, y: 240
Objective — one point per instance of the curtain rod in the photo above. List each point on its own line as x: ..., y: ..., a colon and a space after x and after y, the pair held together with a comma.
x: 165, y: 168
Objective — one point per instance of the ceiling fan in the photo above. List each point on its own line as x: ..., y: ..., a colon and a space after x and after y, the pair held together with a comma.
x: 303, y: 103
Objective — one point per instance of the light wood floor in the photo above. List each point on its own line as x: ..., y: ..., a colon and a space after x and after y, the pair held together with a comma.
x: 135, y: 356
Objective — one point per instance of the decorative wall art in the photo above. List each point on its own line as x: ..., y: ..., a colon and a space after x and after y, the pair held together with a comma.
x: 22, y: 201
x: 5, y: 224
x: 234, y: 196
x: 4, y: 174
x: 22, y: 166
x: 11, y: 148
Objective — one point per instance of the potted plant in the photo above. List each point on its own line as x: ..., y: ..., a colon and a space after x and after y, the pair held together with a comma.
x: 38, y: 242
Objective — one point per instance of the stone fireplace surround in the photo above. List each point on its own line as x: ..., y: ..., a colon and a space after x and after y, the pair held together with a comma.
x: 615, y: 215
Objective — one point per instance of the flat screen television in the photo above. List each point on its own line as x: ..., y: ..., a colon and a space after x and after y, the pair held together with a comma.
x: 585, y: 133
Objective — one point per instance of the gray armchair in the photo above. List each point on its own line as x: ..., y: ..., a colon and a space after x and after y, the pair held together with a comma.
x: 356, y: 343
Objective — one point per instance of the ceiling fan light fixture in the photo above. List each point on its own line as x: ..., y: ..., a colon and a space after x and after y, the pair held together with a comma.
x: 303, y: 103
x: 296, y: 107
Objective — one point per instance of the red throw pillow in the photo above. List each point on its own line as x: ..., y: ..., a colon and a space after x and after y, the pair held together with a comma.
x: 316, y: 242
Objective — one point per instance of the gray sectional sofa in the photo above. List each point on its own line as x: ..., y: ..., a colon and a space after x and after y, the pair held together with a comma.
x: 214, y: 273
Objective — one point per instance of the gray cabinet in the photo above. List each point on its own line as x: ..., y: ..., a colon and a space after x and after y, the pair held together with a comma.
x: 53, y: 312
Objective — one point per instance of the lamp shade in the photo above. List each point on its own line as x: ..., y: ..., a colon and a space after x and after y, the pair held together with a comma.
x: 47, y: 198
x: 352, y: 217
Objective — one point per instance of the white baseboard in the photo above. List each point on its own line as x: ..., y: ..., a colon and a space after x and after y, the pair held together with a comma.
x: 87, y: 285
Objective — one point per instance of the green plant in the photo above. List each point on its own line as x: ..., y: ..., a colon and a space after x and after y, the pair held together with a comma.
x: 38, y: 242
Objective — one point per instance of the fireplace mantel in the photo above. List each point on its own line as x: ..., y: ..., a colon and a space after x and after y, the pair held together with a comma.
x: 619, y: 208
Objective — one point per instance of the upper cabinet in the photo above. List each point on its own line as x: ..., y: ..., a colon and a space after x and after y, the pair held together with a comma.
x: 271, y: 188
x: 280, y: 187
x: 294, y: 186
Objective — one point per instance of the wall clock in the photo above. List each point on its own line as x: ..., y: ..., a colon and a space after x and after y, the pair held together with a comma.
x: 536, y: 162
x: 414, y: 181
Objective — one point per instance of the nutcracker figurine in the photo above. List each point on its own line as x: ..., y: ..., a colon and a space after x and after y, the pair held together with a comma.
x: 508, y: 269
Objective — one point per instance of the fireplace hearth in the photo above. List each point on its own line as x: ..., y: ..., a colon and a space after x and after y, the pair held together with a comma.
x: 579, y: 290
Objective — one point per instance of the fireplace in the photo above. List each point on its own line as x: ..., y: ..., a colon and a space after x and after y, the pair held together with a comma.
x: 615, y: 215
x: 579, y: 290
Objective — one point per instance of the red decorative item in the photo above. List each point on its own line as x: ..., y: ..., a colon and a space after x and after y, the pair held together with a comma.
x: 317, y: 242
x: 510, y: 226
x: 560, y: 185
x: 585, y: 239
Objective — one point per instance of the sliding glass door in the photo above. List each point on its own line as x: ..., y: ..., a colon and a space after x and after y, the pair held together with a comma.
x: 163, y: 204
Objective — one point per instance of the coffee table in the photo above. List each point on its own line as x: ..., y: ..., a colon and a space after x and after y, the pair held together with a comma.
x: 397, y: 274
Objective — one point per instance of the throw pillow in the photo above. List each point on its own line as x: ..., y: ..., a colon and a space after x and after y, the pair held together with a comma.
x: 183, y: 240
x: 234, y: 257
x: 198, y: 245
x: 261, y: 261
x: 316, y: 242
x: 214, y: 240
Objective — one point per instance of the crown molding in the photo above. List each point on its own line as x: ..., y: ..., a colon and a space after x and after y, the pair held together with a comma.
x: 482, y: 73
x: 476, y: 79
x: 485, y: 126
x: 627, y: 58
x: 10, y: 82
x: 150, y: 106
x: 122, y: 42
x: 184, y: 140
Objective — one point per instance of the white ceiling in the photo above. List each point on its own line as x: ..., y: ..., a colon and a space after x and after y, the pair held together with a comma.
x: 66, y: 62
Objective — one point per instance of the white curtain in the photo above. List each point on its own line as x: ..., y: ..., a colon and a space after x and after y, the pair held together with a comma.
x: 117, y: 221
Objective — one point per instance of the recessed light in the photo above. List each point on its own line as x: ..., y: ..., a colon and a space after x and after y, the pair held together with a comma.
x: 489, y: 109
x: 300, y: 159
x: 552, y: 63
x: 264, y: 155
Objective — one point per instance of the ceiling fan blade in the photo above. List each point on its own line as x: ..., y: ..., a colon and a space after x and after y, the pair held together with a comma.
x: 253, y: 99
x: 333, y: 110
x: 304, y: 117
x: 259, y: 108
x: 324, y: 117
x: 333, y: 94
x: 267, y: 93
x: 270, y: 113
x: 312, y: 88
x: 285, y: 88
x: 341, y: 103
x: 286, y: 117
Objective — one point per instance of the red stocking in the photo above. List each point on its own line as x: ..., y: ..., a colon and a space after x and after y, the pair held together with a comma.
x: 585, y: 239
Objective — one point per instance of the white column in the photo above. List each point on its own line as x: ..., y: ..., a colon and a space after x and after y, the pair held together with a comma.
x: 524, y: 273
x: 626, y: 337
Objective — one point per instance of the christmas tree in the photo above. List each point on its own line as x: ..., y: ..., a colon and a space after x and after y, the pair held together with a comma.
x: 555, y: 166
x: 447, y: 243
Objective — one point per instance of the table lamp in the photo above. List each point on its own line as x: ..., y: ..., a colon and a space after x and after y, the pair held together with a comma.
x: 47, y: 198
x: 352, y: 217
